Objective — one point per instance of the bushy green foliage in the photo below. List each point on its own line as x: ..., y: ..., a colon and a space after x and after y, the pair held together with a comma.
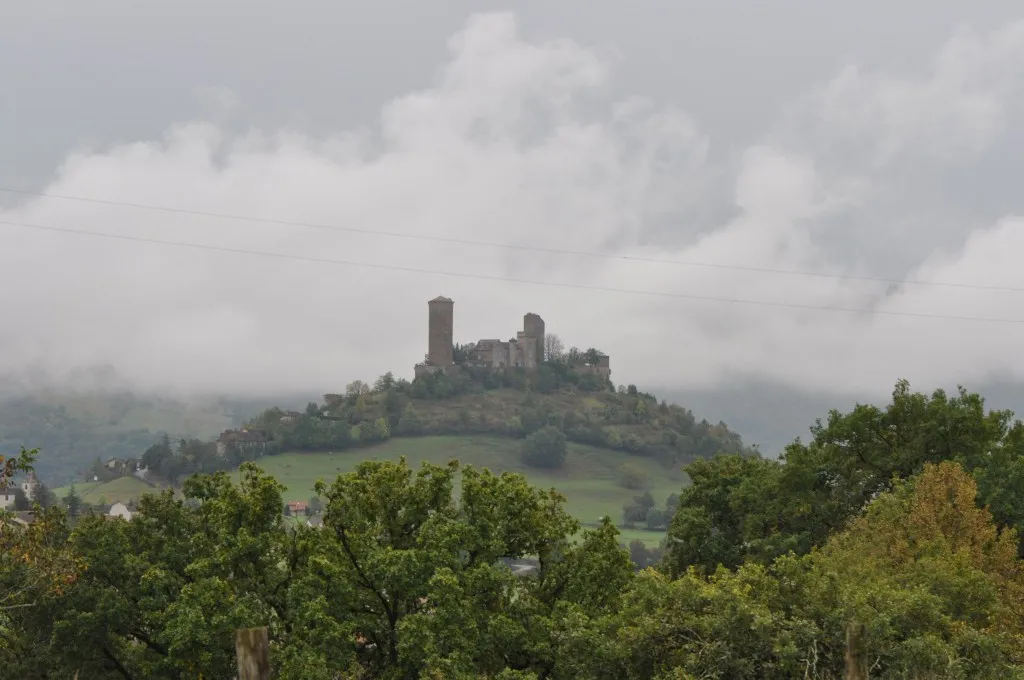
x: 176, y: 461
x: 632, y: 477
x: 899, y: 522
x: 546, y: 448
x: 739, y: 509
x: 402, y: 581
x: 407, y: 579
x: 638, y: 509
x: 644, y: 557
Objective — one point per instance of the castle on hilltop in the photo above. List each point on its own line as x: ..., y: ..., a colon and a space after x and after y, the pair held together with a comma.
x: 525, y: 351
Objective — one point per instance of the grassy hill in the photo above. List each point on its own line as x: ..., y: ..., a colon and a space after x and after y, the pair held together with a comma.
x: 625, y: 420
x: 481, y: 417
x: 120, y: 490
x: 621, y: 442
x: 590, y: 478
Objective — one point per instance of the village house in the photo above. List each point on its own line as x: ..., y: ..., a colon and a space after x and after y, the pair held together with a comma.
x: 297, y: 507
x: 7, y: 496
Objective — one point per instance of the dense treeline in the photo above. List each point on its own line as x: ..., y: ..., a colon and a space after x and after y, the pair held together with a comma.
x: 175, y: 461
x: 897, y: 525
x: 744, y: 509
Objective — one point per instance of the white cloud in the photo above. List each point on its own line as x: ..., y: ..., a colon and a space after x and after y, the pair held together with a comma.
x: 960, y: 108
x: 521, y: 142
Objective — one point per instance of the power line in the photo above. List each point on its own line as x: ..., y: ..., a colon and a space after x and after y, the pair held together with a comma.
x: 503, y: 279
x: 509, y: 246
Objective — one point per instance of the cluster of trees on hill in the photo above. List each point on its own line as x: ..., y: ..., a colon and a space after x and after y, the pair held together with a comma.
x: 644, y: 511
x: 511, y: 403
x: 553, y: 398
x: 173, y: 461
x: 176, y: 461
x: 888, y: 546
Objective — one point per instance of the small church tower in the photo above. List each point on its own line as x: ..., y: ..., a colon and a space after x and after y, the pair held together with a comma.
x: 30, y: 486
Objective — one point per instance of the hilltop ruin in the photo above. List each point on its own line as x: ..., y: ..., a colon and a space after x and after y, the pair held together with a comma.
x: 525, y: 351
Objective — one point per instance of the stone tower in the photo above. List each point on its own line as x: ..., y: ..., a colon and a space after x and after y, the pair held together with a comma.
x: 533, y: 328
x: 441, y: 333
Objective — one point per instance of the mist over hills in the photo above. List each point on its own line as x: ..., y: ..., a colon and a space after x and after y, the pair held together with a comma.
x: 76, y: 417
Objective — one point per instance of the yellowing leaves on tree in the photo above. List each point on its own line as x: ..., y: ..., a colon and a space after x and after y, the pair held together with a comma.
x: 929, y: 571
x: 935, y: 514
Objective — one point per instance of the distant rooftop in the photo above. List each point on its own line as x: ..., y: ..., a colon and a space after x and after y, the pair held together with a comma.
x: 441, y: 298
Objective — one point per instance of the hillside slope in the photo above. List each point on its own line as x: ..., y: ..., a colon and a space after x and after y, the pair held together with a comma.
x: 591, y: 479
x: 121, y: 490
x: 513, y: 404
x: 621, y: 441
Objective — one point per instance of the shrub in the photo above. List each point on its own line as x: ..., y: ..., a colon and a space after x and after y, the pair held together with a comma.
x: 632, y: 477
x: 409, y: 424
x: 655, y: 519
x: 638, y: 509
x: 671, y: 505
x: 642, y: 556
x: 545, y: 448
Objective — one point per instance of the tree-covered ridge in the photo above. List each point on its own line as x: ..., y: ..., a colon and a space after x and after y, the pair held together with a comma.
x: 510, y: 404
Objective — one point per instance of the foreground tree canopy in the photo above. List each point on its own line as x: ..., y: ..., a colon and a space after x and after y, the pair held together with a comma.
x: 898, y: 524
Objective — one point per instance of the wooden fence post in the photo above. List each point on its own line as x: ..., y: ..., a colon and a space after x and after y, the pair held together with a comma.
x: 252, y: 647
x: 856, y: 658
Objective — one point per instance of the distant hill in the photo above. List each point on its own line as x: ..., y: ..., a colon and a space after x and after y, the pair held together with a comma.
x: 622, y: 442
x: 512, y: 404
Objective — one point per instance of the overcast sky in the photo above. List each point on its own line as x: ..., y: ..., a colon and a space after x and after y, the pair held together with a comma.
x: 872, y: 140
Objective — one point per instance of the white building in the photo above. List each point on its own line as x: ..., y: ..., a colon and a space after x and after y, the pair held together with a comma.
x: 7, y: 498
x: 120, y: 510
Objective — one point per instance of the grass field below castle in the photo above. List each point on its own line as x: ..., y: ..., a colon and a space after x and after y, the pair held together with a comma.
x: 589, y: 479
